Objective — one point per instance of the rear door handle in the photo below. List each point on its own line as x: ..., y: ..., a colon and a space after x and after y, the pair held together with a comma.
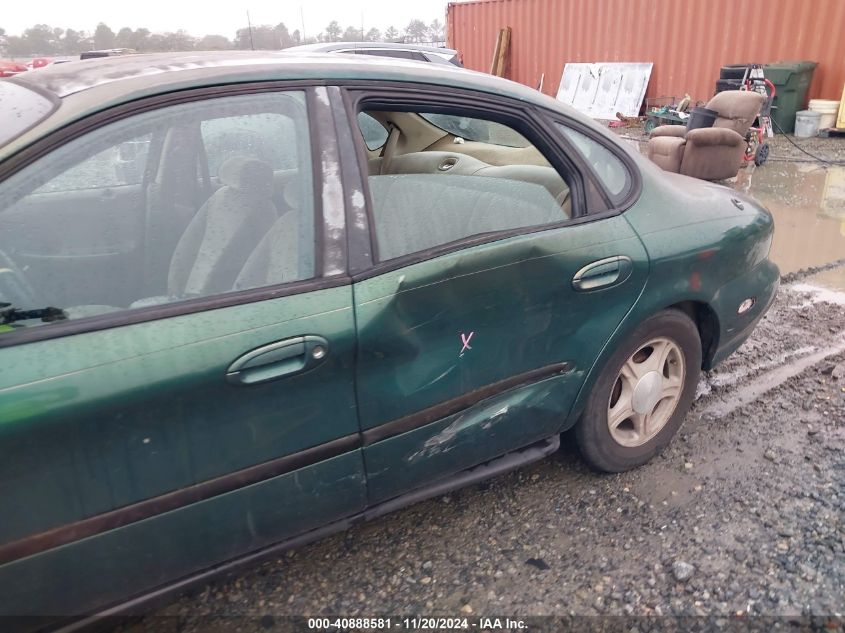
x: 603, y: 273
x: 278, y: 360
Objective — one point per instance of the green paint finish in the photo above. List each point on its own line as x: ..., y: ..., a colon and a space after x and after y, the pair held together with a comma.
x: 97, y: 421
x: 491, y: 428
x: 94, y: 422
x: 703, y: 249
x: 514, y: 298
x: 761, y: 284
x: 142, y: 556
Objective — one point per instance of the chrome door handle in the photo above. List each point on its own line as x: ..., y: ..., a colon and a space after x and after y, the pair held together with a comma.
x: 603, y: 273
x: 278, y: 360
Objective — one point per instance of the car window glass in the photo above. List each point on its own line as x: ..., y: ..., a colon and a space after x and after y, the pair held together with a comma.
x: 203, y: 208
x: 472, y: 129
x: 267, y: 136
x: 448, y: 191
x: 392, y: 52
x: 115, y: 166
x: 374, y: 133
x: 608, y: 167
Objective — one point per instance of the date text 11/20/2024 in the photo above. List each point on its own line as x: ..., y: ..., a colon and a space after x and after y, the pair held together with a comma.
x: 415, y: 624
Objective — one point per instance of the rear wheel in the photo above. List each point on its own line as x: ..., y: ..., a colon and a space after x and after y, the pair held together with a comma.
x: 762, y: 154
x: 641, y: 397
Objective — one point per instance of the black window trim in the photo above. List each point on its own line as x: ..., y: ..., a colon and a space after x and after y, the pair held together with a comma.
x: 518, y: 115
x: 60, y: 137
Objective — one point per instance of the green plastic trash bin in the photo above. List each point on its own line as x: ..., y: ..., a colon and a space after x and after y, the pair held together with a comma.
x: 792, y: 80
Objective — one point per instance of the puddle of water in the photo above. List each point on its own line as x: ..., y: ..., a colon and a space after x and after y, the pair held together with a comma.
x: 808, y: 204
x: 833, y: 279
x: 807, y: 201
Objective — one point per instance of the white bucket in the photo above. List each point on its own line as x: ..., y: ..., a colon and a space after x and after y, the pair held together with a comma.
x: 829, y: 110
x: 807, y: 123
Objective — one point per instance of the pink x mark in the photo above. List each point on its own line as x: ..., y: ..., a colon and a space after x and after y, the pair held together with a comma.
x: 465, y: 342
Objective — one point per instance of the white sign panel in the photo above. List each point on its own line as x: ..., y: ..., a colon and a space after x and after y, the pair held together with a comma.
x: 601, y: 90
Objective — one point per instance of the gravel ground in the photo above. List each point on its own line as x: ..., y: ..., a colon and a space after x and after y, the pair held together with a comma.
x: 741, y: 516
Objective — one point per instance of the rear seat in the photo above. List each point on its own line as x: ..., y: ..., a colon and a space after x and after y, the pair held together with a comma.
x: 415, y: 212
x: 454, y: 163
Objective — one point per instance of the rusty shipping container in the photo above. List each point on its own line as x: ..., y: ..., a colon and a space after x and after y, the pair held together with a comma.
x: 687, y: 41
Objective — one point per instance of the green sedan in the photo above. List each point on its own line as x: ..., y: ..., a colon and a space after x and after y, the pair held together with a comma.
x: 249, y: 299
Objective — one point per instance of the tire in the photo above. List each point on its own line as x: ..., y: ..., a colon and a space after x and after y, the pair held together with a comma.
x: 762, y: 154
x: 633, y: 442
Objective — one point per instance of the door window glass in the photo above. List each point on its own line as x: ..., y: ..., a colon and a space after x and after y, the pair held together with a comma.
x: 431, y: 194
x: 267, y: 136
x: 115, y: 166
x: 608, y: 167
x: 393, y: 52
x: 373, y: 132
x: 473, y: 129
x: 187, y: 201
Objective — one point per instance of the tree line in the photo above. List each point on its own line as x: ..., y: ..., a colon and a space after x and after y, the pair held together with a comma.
x: 44, y: 40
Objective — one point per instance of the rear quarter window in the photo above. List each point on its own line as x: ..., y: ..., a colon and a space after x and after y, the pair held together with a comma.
x: 609, y: 168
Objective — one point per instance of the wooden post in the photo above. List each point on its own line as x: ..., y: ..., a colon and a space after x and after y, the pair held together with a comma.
x: 500, y: 53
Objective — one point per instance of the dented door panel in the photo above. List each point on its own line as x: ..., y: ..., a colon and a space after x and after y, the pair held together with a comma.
x: 492, y: 427
x: 434, y: 331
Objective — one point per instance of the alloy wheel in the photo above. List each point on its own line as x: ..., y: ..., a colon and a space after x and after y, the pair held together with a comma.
x: 646, y: 392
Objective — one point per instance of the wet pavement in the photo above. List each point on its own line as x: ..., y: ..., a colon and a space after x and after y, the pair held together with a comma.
x: 807, y: 201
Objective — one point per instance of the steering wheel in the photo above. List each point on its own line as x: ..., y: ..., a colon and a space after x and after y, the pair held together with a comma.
x: 14, y: 286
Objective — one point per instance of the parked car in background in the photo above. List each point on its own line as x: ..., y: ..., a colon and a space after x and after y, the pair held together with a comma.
x: 10, y: 68
x: 247, y: 299
x: 416, y: 52
x: 107, y: 52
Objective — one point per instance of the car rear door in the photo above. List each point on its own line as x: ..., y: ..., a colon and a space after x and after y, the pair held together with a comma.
x: 147, y: 441
x: 476, y: 344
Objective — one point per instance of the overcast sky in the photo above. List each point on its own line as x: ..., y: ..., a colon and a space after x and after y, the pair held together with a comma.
x: 224, y: 18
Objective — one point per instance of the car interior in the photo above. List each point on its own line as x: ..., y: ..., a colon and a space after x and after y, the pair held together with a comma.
x: 413, y: 143
x: 171, y: 204
x: 209, y: 204
x: 439, y: 178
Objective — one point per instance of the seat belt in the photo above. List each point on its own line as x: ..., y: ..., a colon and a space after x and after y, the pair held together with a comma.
x: 389, y: 149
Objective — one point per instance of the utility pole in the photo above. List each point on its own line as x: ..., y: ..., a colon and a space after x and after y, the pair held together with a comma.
x: 249, y: 24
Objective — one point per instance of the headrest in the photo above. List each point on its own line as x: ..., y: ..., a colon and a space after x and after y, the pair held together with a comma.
x: 247, y: 174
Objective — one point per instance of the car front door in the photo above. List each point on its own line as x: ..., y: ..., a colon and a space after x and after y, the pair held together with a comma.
x: 143, y: 439
x: 489, y: 295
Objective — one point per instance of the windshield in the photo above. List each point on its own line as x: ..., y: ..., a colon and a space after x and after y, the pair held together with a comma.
x: 20, y: 109
x: 471, y: 129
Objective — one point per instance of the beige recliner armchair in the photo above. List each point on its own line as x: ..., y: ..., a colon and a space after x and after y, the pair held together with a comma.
x: 712, y: 153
